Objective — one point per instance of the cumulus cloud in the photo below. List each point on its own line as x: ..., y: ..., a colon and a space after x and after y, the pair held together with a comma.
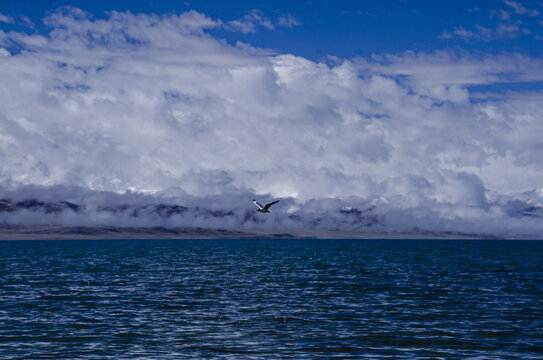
x: 156, y: 110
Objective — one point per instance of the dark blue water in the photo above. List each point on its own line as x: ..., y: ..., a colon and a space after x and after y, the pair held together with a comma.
x: 270, y: 299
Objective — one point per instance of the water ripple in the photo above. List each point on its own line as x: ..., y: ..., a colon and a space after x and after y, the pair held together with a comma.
x: 258, y: 299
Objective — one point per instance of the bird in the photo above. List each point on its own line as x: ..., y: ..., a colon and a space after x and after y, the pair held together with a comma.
x: 266, y: 208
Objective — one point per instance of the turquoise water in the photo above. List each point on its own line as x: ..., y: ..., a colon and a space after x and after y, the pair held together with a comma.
x: 269, y: 299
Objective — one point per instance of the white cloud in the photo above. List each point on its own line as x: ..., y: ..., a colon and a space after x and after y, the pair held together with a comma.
x: 482, y: 33
x: 6, y: 19
x: 27, y: 22
x: 250, y: 22
x: 255, y: 19
x: 503, y: 15
x: 510, y: 25
x: 156, y: 105
x: 520, y: 9
x: 288, y: 21
x: 446, y: 76
x: 463, y: 33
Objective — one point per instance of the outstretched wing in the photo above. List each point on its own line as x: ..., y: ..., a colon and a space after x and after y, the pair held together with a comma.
x: 270, y: 204
x: 257, y: 204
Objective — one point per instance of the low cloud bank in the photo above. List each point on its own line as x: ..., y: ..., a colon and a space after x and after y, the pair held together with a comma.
x: 521, y: 215
x: 127, y: 113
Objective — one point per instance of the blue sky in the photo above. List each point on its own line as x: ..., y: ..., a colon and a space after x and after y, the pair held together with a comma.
x: 345, y: 28
x: 428, y: 113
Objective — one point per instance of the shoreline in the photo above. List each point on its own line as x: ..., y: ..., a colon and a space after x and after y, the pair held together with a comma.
x: 49, y: 232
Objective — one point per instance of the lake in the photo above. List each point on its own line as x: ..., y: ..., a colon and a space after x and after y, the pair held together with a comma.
x: 269, y: 299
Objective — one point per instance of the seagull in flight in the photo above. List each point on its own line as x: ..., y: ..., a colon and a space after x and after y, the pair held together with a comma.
x: 266, y: 208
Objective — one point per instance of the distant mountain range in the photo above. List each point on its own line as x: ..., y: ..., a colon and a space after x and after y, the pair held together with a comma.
x: 168, y: 219
x: 352, y: 216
